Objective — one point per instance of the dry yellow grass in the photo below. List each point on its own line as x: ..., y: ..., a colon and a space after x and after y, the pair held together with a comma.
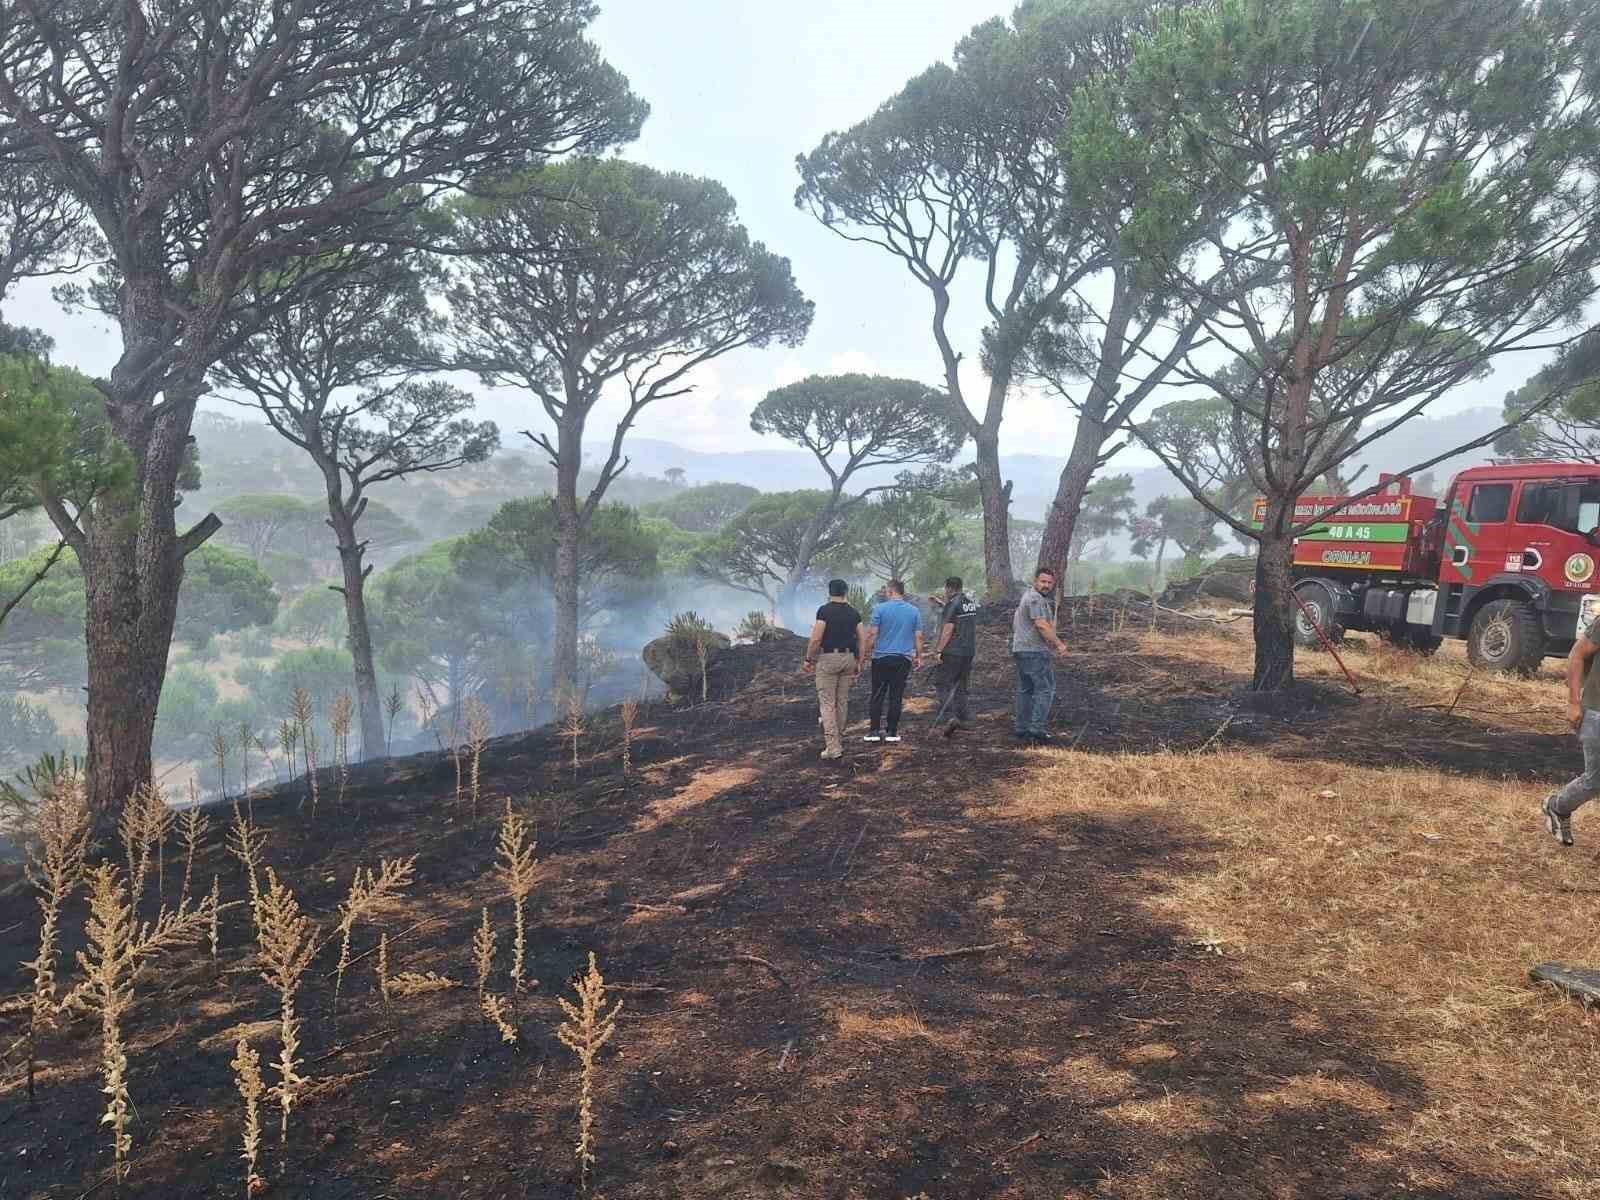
x: 370, y: 892
x: 287, y: 940
x: 54, y: 869
x: 586, y: 1030
x: 1407, y: 904
x: 516, y: 870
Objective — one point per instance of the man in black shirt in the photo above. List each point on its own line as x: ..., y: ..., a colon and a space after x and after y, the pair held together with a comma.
x: 834, y: 655
x: 957, y: 647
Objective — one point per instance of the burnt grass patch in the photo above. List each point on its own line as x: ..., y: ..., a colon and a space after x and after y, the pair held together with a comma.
x: 839, y: 980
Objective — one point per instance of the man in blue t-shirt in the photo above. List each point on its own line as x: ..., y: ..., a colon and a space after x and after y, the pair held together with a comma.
x: 894, y: 643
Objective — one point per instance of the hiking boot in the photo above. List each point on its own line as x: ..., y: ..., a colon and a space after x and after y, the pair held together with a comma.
x: 1039, y: 738
x: 1559, y: 824
x: 874, y: 736
x: 832, y: 755
x: 951, y: 730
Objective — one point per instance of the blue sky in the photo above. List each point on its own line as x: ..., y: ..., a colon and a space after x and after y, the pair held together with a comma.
x: 737, y: 89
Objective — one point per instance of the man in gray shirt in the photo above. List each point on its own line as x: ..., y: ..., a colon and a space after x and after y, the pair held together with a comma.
x: 1033, y: 641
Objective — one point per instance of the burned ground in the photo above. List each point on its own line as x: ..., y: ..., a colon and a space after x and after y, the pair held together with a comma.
x: 1178, y: 955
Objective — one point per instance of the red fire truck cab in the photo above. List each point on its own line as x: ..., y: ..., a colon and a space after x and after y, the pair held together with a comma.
x: 1505, y: 561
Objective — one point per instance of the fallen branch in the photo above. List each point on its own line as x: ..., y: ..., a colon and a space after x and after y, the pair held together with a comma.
x: 338, y: 1050
x: 760, y: 962
x: 962, y: 952
x: 1025, y: 1142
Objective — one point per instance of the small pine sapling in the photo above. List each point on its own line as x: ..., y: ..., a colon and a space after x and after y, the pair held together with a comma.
x: 516, y: 870
x: 246, y: 1066
x: 588, y: 1027
x: 287, y: 941
x: 370, y: 892
x: 477, y: 738
x: 54, y: 869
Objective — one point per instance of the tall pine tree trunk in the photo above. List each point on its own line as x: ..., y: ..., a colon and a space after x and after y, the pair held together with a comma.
x: 132, y: 558
x: 1274, y: 600
x: 369, y: 704
x: 996, y: 495
x: 564, y: 672
x: 788, y: 596
x: 1076, y: 476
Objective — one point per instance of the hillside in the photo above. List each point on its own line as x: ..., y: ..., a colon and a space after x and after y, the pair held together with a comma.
x: 1196, y: 950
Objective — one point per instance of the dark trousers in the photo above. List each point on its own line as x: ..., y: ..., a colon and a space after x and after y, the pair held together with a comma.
x: 1036, y: 691
x: 889, y: 675
x: 952, y: 678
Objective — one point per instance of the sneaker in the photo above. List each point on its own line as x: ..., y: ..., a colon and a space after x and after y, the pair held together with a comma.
x: 1559, y: 825
x: 873, y: 737
x: 891, y: 737
x: 1040, y: 738
x: 832, y: 755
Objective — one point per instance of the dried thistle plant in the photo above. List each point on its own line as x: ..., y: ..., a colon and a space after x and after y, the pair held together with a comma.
x: 427, y: 708
x: 193, y: 829
x: 456, y: 757
x: 630, y: 718
x: 572, y: 726
x: 498, y: 1015
x: 288, y: 739
x: 246, y: 740
x: 287, y: 940
x: 339, y: 718
x: 216, y: 924
x: 245, y: 843
x: 309, y: 747
x: 117, y: 948
x: 588, y: 1027
x: 477, y: 738
x: 219, y: 751
x: 392, y: 705
x: 483, y: 943
x: 417, y: 983
x: 516, y: 870
x: 702, y: 651
x: 54, y: 869
x: 246, y: 1066
x: 383, y: 966
x: 369, y: 892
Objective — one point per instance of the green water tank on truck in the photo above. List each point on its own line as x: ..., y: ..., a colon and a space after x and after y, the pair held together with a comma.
x: 1505, y: 561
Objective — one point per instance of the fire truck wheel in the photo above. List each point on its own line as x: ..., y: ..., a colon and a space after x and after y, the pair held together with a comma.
x: 1507, y: 636
x: 1318, y: 606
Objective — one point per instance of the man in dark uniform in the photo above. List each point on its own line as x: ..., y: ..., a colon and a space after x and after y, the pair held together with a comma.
x: 957, y: 647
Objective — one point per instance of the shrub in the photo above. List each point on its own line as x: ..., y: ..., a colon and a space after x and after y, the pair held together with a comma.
x: 689, y: 626
x: 753, y: 626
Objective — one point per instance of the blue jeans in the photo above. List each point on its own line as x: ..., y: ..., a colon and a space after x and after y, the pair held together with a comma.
x: 1582, y: 789
x: 1036, y: 691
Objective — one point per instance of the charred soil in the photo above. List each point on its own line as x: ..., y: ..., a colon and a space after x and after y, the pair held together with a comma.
x: 930, y: 969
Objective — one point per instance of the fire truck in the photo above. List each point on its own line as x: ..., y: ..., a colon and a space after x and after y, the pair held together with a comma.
x: 1505, y: 561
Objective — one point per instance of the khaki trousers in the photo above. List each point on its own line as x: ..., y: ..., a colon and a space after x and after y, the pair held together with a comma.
x: 835, y: 673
